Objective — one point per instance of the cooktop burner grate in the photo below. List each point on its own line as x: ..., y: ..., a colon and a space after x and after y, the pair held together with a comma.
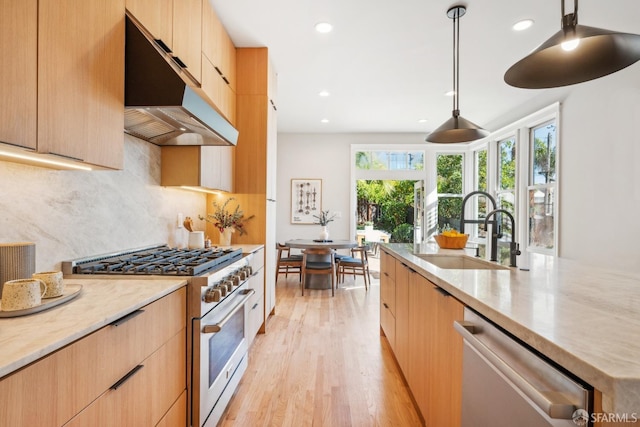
x: 158, y: 260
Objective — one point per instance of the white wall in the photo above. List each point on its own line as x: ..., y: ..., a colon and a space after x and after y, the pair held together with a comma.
x: 72, y: 214
x: 326, y: 157
x: 599, y: 169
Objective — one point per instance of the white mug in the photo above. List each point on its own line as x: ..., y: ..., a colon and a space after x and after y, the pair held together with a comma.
x: 196, y: 240
x: 21, y: 294
x: 54, y: 282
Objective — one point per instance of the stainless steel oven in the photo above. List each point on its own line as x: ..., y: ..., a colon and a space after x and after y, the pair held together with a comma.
x: 220, y: 345
x: 217, y: 293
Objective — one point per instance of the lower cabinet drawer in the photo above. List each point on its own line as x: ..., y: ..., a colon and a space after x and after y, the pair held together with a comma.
x: 144, y: 395
x: 177, y: 415
x: 388, y: 325
x: 65, y: 382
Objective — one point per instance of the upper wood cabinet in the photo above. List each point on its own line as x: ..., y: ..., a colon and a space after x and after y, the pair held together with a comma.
x: 63, y: 89
x: 198, y: 166
x: 19, y: 76
x: 217, y: 45
x: 176, y: 26
x: 218, y: 64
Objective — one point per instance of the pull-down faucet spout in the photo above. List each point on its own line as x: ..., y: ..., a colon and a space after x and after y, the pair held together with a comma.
x: 514, y: 248
x: 463, y: 221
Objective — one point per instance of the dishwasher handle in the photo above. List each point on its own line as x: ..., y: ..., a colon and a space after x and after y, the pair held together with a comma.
x: 554, y: 408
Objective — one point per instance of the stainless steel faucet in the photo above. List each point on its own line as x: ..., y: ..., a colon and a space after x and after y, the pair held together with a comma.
x: 514, y: 248
x: 463, y: 221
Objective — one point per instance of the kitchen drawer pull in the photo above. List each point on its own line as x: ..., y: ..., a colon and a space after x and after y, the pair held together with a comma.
x: 126, y: 377
x: 126, y: 318
x: 212, y: 329
x: 254, y: 306
x: 441, y: 291
x: 179, y: 62
x: 218, y: 70
x: 225, y: 79
x: 385, y: 305
x: 163, y: 45
x: 555, y: 409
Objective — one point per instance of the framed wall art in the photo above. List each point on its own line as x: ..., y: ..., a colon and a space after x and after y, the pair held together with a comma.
x: 306, y: 200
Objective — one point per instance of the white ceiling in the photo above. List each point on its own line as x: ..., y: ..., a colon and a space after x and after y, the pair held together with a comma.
x: 387, y: 64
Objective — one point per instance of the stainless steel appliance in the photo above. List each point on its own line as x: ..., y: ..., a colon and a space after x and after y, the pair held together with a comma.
x: 504, y: 383
x: 219, y: 286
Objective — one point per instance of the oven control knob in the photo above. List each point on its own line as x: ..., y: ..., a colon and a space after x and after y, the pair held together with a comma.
x: 212, y: 295
x: 235, y: 278
x: 249, y: 270
x: 242, y: 274
x: 223, y: 289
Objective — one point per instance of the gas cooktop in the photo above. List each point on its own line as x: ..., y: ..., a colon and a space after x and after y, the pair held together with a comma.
x: 155, y: 260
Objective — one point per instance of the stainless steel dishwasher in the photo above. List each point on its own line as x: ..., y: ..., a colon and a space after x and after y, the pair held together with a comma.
x: 504, y: 383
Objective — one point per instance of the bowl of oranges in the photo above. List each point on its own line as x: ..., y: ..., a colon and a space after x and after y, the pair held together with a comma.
x: 451, y: 239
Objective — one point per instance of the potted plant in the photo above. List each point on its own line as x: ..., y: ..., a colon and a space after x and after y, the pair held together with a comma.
x: 323, y: 219
x: 227, y: 221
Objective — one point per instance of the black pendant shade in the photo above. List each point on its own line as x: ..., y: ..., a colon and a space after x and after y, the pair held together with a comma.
x: 599, y: 53
x: 457, y: 128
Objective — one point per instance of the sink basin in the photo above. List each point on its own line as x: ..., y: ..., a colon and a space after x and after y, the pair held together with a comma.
x: 460, y: 262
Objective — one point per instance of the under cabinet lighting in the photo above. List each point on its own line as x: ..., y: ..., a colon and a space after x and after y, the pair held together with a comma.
x: 200, y: 189
x: 323, y: 93
x: 44, y: 161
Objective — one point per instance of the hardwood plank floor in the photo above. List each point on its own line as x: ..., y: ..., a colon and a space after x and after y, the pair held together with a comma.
x: 322, y: 362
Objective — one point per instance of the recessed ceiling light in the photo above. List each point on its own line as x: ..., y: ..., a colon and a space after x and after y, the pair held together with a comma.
x: 422, y: 121
x: 522, y: 25
x: 323, y: 27
x: 324, y: 121
x: 323, y: 93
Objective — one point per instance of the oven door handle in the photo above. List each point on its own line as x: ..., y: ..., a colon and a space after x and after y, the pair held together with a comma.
x: 212, y: 329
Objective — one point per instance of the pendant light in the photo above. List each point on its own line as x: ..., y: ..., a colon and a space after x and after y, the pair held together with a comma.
x: 575, y: 54
x: 457, y: 128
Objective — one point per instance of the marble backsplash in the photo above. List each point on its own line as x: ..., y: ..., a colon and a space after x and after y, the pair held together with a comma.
x: 72, y: 214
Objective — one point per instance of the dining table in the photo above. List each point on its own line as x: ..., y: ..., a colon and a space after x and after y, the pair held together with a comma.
x: 318, y: 281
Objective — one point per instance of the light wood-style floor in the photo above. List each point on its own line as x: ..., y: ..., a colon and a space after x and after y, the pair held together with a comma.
x: 322, y: 362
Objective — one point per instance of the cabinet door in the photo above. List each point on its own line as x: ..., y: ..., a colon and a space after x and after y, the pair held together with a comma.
x: 218, y: 91
x: 217, y: 46
x: 18, y: 73
x: 255, y: 313
x: 81, y: 80
x: 444, y: 361
x: 420, y: 312
x: 402, y: 349
x: 156, y: 16
x: 187, y: 35
x: 142, y: 398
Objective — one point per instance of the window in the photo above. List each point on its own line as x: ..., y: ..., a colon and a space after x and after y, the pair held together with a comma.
x: 390, y: 160
x: 449, y: 185
x: 506, y: 175
x: 541, y: 189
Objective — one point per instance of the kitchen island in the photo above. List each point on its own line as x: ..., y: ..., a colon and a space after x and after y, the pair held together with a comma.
x: 119, y: 341
x: 585, y: 319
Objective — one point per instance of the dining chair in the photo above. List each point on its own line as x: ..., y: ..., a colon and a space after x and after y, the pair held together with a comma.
x: 357, y: 265
x: 372, y: 239
x: 313, y: 266
x: 288, y: 263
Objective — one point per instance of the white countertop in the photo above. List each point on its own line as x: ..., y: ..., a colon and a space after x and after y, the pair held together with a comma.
x: 584, y: 318
x: 101, y: 301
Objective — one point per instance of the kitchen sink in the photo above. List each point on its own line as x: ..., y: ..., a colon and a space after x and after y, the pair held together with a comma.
x: 460, y: 262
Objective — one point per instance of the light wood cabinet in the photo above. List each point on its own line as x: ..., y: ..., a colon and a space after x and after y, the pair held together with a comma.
x: 419, y: 317
x: 388, y: 297
x: 218, y: 63
x: 402, y: 348
x: 194, y: 166
x: 70, y: 105
x: 177, y: 28
x: 254, y: 113
x: 217, y: 45
x: 255, y: 315
x: 84, y: 374
x: 19, y: 76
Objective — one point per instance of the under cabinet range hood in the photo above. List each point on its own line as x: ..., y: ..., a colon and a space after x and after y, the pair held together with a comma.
x: 160, y: 105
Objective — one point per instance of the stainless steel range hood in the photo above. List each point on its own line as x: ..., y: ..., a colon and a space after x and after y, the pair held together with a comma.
x: 162, y: 105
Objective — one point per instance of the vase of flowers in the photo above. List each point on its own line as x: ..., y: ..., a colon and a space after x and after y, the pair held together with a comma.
x: 323, y: 219
x: 227, y: 221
